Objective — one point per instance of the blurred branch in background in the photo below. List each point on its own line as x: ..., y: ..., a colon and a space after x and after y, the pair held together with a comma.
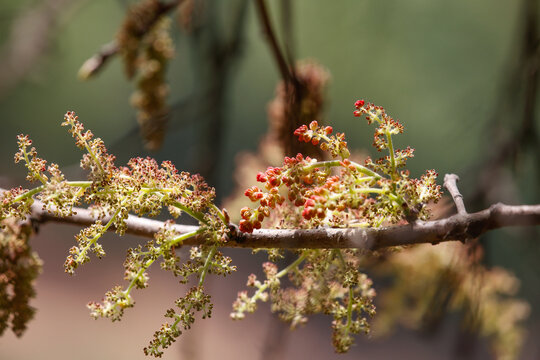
x: 510, y: 141
x: 299, y: 97
x: 216, y: 43
x: 29, y: 39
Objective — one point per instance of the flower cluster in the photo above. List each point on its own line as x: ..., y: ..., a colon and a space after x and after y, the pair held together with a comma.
x: 335, y: 144
x: 195, y: 300
x: 112, y: 193
x: 325, y: 281
x: 19, y: 268
x: 336, y: 193
x: 341, y: 192
x: 146, y: 47
x: 449, y: 278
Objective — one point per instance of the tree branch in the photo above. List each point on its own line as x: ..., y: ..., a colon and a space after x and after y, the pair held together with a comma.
x: 458, y: 227
x: 450, y: 183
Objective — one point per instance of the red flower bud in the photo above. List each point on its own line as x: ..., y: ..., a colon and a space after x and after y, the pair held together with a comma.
x: 359, y: 103
x: 261, y: 177
x: 245, y: 226
x: 245, y: 213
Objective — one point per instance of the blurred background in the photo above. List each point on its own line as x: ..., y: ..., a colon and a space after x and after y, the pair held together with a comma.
x: 462, y: 76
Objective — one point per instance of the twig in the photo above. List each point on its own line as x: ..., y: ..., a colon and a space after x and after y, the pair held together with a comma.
x: 459, y: 227
x: 450, y: 183
x: 93, y: 65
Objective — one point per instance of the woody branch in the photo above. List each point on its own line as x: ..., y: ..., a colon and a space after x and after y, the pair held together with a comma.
x: 459, y: 227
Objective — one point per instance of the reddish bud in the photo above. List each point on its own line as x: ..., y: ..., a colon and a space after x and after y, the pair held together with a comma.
x: 245, y: 226
x: 313, y: 125
x: 274, y: 181
x: 302, y: 129
x: 359, y: 103
x: 245, y: 213
x: 261, y: 177
x: 299, y: 202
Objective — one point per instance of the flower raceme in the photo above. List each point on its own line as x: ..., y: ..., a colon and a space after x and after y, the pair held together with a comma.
x: 143, y: 188
x: 341, y: 192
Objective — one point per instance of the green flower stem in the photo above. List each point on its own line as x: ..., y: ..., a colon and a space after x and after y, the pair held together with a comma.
x: 173, y: 242
x: 180, y: 239
x: 96, y: 238
x: 194, y: 214
x: 351, y: 294
x: 332, y: 163
x: 392, y: 155
x: 38, y: 189
x: 207, y: 263
x: 279, y: 275
x: 219, y: 212
x: 28, y: 194
x: 369, y: 191
x: 91, y: 153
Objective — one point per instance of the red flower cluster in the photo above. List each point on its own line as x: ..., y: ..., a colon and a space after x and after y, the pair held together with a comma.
x: 335, y: 144
x: 373, y: 194
x: 292, y: 175
x: 314, y: 133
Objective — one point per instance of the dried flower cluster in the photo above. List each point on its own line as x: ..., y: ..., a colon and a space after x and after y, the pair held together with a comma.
x: 449, y: 278
x: 150, y: 98
x: 19, y: 268
x: 298, y: 102
x: 146, y: 48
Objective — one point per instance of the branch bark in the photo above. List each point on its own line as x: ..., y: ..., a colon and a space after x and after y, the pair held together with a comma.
x: 459, y: 227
